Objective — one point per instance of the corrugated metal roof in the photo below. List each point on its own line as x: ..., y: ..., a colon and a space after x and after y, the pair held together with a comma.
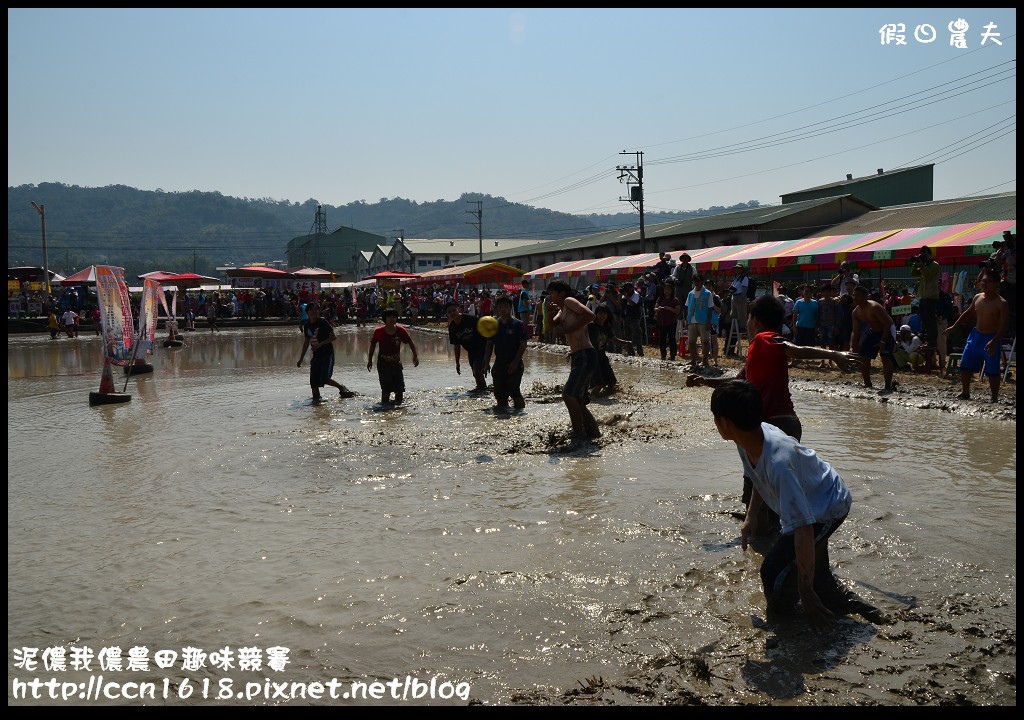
x: 957, y: 211
x: 840, y: 183
x: 738, y: 220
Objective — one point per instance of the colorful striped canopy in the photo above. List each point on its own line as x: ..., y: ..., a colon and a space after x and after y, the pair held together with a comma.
x: 726, y: 257
x: 952, y: 243
x: 596, y: 267
x: 818, y: 253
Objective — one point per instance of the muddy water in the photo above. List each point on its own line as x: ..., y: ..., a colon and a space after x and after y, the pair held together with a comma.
x: 220, y: 509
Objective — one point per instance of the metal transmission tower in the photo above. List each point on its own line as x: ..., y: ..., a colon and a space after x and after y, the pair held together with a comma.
x: 634, y: 176
x: 319, y: 222
x: 479, y: 224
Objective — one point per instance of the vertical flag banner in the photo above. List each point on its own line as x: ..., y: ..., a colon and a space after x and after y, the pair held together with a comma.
x: 115, y: 314
x: 152, y: 294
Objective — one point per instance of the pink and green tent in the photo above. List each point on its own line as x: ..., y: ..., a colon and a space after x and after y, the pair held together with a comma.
x: 726, y: 257
x: 950, y: 244
x: 608, y: 267
x: 817, y: 253
x: 626, y: 266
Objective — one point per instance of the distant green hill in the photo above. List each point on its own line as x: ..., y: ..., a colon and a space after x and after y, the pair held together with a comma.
x: 145, y: 230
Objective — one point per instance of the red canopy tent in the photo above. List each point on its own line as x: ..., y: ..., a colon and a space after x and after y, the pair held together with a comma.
x: 82, y: 277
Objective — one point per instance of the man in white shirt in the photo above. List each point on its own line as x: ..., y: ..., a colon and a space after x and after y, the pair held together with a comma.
x: 907, y: 352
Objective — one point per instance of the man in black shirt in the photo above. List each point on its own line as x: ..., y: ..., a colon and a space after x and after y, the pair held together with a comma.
x: 462, y: 333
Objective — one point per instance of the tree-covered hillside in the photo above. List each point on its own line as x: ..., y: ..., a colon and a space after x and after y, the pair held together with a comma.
x: 144, y: 230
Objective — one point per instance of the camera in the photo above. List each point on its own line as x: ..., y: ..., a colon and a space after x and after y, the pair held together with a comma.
x: 916, y: 258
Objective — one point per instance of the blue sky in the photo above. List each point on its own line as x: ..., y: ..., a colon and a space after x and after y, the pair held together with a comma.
x: 534, y: 105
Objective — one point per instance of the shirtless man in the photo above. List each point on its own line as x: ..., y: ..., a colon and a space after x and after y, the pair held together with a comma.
x: 874, y: 334
x: 571, y: 320
x: 990, y: 314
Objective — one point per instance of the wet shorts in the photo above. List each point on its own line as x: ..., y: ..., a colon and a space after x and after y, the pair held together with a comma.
x: 321, y: 369
x: 869, y: 342
x: 582, y: 364
x: 974, y: 355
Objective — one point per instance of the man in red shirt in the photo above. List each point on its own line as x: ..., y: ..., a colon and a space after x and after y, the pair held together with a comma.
x: 767, y: 369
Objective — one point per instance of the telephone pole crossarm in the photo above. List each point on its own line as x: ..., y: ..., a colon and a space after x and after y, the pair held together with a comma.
x: 634, y: 176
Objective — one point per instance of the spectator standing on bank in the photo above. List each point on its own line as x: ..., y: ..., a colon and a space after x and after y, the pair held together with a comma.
x: 805, y: 313
x: 874, y: 335
x: 666, y: 315
x: 524, y: 307
x: 632, y: 320
x: 699, y: 314
x: 682, y: 276
x: 738, y: 291
x: 990, y: 314
x: 928, y: 270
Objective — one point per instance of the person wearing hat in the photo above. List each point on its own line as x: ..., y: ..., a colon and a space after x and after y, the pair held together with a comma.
x: 682, y: 276
x: 907, y: 353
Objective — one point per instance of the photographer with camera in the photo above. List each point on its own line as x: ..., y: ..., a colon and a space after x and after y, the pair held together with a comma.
x: 1003, y: 261
x: 927, y: 270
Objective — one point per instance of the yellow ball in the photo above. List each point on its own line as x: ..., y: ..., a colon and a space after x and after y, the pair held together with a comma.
x: 487, y: 326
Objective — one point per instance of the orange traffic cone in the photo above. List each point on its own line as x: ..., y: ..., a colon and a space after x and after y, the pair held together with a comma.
x: 107, y: 381
x: 107, y: 395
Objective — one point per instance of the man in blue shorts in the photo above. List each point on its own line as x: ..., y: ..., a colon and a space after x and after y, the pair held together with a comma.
x: 874, y: 335
x: 990, y: 314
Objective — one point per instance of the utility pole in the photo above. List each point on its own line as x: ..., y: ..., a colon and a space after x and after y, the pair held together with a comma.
x: 41, y: 209
x: 479, y: 224
x: 634, y: 175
